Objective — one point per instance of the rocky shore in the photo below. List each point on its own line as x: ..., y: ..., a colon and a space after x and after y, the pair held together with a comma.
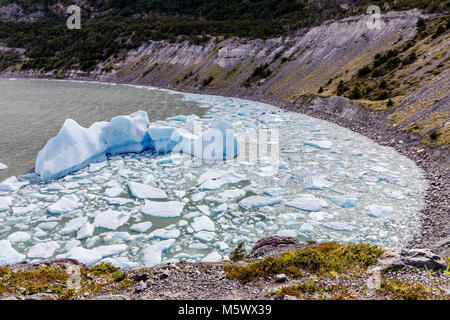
x: 400, y: 274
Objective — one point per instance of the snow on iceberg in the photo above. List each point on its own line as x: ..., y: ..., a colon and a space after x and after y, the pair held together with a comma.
x: 76, y: 147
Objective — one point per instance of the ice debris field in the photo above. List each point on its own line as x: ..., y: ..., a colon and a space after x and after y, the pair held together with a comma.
x: 102, y: 203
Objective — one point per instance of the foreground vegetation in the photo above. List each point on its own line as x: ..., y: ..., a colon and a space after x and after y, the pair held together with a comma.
x: 316, y: 258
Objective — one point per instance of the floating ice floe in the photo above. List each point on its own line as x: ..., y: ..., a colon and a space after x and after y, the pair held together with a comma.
x: 12, y: 184
x: 3, y: 166
x: 168, y: 209
x: 258, y: 201
x: 320, y: 144
x: 110, y: 219
x: 19, y: 236
x: 143, y: 191
x: 378, y: 211
x: 307, y: 202
x: 5, y: 203
x: 63, y: 205
x: 214, y: 179
x: 43, y: 250
x: 92, y: 256
x: 344, y: 201
x: 315, y: 182
x: 152, y: 253
x: 141, y: 227
x: 8, y: 255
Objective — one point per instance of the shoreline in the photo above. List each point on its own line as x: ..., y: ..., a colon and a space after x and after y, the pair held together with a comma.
x: 435, y: 215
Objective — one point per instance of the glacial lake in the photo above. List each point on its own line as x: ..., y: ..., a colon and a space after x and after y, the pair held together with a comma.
x: 319, y: 181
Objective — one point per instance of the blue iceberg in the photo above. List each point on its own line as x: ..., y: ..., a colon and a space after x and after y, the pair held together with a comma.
x: 76, y: 147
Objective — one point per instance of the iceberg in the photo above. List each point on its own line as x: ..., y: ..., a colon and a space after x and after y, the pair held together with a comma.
x: 76, y: 147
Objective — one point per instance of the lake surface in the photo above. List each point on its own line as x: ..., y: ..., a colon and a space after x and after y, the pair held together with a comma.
x: 319, y: 182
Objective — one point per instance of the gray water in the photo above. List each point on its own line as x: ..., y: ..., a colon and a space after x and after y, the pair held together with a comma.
x: 33, y: 111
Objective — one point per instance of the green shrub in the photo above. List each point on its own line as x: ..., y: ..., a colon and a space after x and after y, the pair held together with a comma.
x: 238, y: 253
x: 206, y: 82
x: 355, y: 93
x: 364, y: 71
x: 320, y: 90
x: 316, y: 258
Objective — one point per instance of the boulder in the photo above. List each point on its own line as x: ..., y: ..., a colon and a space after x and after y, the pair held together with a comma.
x: 273, y: 245
x: 419, y: 258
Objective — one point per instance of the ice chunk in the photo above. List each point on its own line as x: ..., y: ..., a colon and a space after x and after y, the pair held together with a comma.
x: 43, y: 250
x: 204, y: 209
x: 344, y: 201
x: 258, y: 201
x: 165, y: 234
x: 76, y: 147
x: 92, y: 256
x: 203, y: 223
x: 214, y: 179
x: 287, y: 233
x: 73, y: 225
x: 391, y: 194
x: 232, y: 194
x: 96, y: 167
x: 168, y: 209
x: 184, y: 118
x: 141, y: 227
x: 19, y: 236
x: 63, y: 205
x: 8, y: 255
x: 118, y: 201
x: 212, y: 257
x: 320, y: 144
x: 110, y: 219
x: 198, y: 196
x: 306, y: 228
x: 86, y: 231
x: 44, y: 197
x: 3, y: 166
x: 12, y: 184
x: 275, y: 192
x: 319, y: 215
x: 217, y: 143
x: 143, y: 191
x: 340, y: 226
x: 315, y: 182
x: 5, y: 203
x: 307, y: 202
x: 378, y: 211
x: 47, y: 226
x: 121, y: 262
x: 206, y: 236
x: 152, y: 254
x: 113, y: 192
